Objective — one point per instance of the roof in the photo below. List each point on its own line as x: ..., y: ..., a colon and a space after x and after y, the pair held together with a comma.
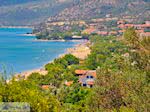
x: 80, y: 71
x: 89, y: 30
x: 86, y: 72
x: 68, y: 83
x: 102, y: 32
x: 91, y: 72
x: 45, y: 87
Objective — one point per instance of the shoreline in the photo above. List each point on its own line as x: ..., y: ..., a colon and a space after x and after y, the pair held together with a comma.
x: 17, y: 27
x: 76, y: 49
x: 44, y: 40
x: 41, y: 70
x: 28, y: 35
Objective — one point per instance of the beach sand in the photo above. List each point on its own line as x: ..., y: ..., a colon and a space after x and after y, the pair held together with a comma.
x: 80, y: 51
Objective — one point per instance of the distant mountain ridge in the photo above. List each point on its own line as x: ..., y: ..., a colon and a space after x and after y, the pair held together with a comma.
x: 87, y: 9
x: 14, y: 2
x: 31, y: 12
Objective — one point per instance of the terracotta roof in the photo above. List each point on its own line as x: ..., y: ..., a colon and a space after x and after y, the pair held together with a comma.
x: 81, y: 71
x: 129, y: 25
x: 92, y: 72
x: 102, y: 32
x: 45, y: 87
x: 89, y: 30
x: 68, y: 83
x: 113, y: 32
x: 86, y: 72
x: 146, y: 25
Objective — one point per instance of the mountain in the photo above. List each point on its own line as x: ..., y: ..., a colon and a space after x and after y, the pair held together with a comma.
x: 87, y: 9
x: 14, y: 2
x: 29, y: 12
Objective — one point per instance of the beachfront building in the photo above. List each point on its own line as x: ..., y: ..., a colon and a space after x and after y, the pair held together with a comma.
x: 86, y: 77
x: 142, y: 29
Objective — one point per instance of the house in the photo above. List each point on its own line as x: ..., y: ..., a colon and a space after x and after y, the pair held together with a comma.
x: 113, y: 33
x: 45, y: 87
x: 86, y: 77
x: 68, y: 83
x: 103, y: 33
x: 120, y: 22
x: 89, y: 30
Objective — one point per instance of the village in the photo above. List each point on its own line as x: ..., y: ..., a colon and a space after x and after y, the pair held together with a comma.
x: 106, y: 26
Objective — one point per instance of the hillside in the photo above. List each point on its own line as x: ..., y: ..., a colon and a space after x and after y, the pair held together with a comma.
x: 87, y: 9
x: 29, y: 12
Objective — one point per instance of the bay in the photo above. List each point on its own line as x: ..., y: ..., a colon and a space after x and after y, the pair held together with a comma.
x: 19, y: 52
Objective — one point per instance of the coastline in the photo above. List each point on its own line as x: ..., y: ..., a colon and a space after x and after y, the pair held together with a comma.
x: 44, y: 40
x: 28, y: 35
x: 41, y: 70
x: 17, y: 27
x: 80, y: 50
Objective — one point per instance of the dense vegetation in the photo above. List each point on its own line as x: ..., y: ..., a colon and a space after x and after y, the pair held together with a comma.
x: 66, y: 35
x: 123, y: 75
x: 122, y: 83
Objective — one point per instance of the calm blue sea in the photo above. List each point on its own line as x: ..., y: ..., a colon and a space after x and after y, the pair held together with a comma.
x: 19, y: 53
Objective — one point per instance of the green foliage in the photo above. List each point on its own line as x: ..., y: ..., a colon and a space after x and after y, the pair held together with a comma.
x: 71, y: 59
x: 36, y: 78
x: 103, y: 50
x: 131, y: 36
x: 25, y: 91
x: 122, y: 83
x: 122, y: 74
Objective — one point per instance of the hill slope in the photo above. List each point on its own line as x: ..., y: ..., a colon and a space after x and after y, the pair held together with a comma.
x: 30, y: 12
x: 27, y: 12
x: 87, y: 9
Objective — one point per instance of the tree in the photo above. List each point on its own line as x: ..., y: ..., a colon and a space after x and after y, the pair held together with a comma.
x: 71, y: 59
x: 131, y: 37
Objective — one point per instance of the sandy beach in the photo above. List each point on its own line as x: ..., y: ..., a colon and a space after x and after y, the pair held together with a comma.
x: 81, y: 51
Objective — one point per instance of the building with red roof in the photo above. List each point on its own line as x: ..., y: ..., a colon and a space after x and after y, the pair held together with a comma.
x: 86, y: 77
x: 68, y: 83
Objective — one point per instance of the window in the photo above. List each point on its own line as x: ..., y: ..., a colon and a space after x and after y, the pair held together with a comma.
x: 84, y: 84
x: 91, y: 77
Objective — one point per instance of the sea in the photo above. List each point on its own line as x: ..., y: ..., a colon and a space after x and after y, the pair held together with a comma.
x: 19, y: 52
